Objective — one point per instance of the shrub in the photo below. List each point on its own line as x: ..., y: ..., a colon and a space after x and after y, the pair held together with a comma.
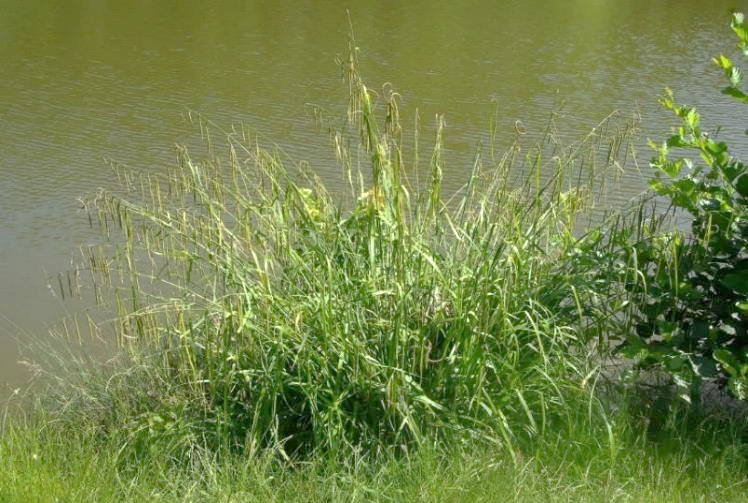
x: 693, y: 293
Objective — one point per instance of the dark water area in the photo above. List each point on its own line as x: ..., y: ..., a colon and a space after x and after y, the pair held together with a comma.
x: 85, y: 81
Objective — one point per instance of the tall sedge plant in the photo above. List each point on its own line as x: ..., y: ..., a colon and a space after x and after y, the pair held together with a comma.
x: 260, y: 312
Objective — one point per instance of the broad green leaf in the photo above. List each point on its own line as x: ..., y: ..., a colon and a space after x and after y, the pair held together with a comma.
x: 727, y: 360
x: 741, y: 185
x: 657, y: 186
x: 735, y: 93
x: 704, y: 367
x: 671, y: 169
x: 723, y: 61
x: 692, y: 118
x: 700, y: 330
x: 737, y: 281
x: 676, y: 363
x: 684, y: 185
x: 733, y: 169
x: 709, y: 204
x: 738, y: 27
x: 677, y: 140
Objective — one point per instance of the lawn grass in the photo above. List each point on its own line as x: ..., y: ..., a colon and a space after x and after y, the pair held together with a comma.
x: 45, y: 463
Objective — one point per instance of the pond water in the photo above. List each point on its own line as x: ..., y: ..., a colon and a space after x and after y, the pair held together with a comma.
x: 89, y: 80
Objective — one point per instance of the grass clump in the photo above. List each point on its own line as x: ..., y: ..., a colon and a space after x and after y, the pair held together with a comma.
x: 259, y: 311
x: 43, y: 462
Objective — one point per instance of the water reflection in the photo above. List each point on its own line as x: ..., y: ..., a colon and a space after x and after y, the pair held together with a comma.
x: 88, y: 80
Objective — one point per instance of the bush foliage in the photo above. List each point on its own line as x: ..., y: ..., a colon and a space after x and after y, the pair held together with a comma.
x: 693, y: 290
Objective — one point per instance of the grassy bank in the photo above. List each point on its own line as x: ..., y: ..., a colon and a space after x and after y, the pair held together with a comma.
x: 278, y: 342
x: 45, y: 463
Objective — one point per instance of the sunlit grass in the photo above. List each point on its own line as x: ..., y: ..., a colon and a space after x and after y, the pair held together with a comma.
x: 261, y: 311
x: 43, y: 463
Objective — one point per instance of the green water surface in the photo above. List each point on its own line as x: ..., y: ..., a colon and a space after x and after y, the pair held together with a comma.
x: 87, y: 80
